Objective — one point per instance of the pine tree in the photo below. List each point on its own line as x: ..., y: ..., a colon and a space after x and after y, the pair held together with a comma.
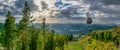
x: 60, y: 39
x: 70, y: 37
x: 34, y: 38
x: 9, y: 28
x: 44, y: 31
x: 49, y: 43
x: 25, y: 19
x: 23, y: 27
x: 52, y: 40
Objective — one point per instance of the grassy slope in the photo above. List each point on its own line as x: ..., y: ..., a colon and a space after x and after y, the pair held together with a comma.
x: 74, y: 46
x: 96, y: 44
x: 84, y: 44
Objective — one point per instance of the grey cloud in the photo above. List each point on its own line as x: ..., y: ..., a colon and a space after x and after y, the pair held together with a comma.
x: 107, y: 20
x: 44, y: 5
x: 17, y: 8
x: 20, y: 4
x: 115, y: 9
x: 109, y: 7
x: 108, y: 2
x: 105, y: 6
x: 72, y: 13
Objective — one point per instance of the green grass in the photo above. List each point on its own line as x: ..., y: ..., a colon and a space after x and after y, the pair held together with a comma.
x: 96, y: 44
x: 75, y: 45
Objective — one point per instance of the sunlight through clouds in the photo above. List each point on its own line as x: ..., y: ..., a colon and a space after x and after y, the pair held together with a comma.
x: 66, y: 10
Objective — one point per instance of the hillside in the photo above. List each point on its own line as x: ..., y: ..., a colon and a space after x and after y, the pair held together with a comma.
x: 90, y: 43
x: 102, y: 40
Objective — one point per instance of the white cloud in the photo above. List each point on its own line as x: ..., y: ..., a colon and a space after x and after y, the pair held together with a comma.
x: 74, y: 2
x: 99, y: 11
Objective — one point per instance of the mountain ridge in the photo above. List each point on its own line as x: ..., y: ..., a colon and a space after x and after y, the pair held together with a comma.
x: 75, y: 28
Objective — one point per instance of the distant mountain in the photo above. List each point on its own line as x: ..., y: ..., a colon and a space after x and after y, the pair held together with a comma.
x: 76, y: 28
x: 72, y: 28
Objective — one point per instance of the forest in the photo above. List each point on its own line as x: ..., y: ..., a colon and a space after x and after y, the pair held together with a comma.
x: 25, y: 36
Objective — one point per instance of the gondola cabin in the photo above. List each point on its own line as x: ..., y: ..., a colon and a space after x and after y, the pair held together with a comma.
x: 89, y: 19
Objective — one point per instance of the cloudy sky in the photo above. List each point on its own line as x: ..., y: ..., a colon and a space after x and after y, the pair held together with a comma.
x: 65, y: 11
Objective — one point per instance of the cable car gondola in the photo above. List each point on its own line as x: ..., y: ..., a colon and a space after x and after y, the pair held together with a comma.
x: 89, y: 19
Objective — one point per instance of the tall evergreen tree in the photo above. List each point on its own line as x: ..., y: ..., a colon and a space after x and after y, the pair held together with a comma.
x: 34, y: 38
x: 23, y: 24
x: 9, y: 28
x: 44, y: 31
x: 52, y: 40
x: 23, y: 27
x: 49, y: 43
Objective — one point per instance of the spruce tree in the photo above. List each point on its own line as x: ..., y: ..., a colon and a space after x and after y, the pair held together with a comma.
x: 34, y: 38
x: 25, y: 19
x: 49, y: 43
x: 23, y: 27
x: 9, y: 28
x: 44, y: 31
x: 52, y: 40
